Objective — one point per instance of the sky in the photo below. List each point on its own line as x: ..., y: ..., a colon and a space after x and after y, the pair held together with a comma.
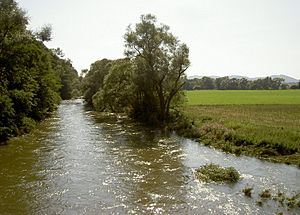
x: 253, y: 38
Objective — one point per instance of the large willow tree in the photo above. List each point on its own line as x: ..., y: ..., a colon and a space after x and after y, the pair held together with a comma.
x: 159, y: 63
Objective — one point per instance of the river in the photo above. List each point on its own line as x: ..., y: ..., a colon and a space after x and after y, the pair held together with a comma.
x: 83, y: 162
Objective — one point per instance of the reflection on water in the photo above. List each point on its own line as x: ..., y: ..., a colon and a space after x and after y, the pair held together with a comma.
x: 82, y: 162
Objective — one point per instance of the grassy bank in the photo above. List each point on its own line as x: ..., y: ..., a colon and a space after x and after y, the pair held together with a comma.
x: 268, y: 131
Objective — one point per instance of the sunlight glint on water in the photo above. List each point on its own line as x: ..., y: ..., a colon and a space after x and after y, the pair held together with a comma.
x: 83, y: 162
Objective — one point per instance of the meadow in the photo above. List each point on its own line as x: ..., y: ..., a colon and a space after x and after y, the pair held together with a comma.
x: 264, y: 124
x: 220, y: 97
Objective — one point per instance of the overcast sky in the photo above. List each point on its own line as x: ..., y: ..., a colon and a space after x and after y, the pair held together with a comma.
x: 226, y: 37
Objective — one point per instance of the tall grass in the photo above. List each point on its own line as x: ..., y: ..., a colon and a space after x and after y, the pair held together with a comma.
x: 265, y: 130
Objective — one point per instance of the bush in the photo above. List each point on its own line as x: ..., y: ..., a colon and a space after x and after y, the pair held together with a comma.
x: 265, y: 194
x: 182, y: 125
x: 248, y: 191
x: 27, y: 125
x: 213, y: 172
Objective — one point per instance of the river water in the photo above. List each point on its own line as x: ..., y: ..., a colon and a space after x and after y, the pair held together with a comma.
x: 83, y: 162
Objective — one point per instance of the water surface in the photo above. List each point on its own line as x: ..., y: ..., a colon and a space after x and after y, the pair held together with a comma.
x: 83, y: 162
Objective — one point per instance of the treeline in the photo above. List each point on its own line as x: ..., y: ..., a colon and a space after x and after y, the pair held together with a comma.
x: 226, y: 83
x: 147, y: 83
x: 295, y: 86
x: 33, y: 78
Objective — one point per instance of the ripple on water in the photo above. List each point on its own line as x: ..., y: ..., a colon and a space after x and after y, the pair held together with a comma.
x: 83, y: 162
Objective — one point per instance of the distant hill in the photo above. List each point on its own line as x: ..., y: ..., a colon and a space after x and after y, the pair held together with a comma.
x: 198, y: 76
x: 287, y: 79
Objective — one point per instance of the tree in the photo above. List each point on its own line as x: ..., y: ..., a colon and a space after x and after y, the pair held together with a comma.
x: 30, y: 73
x: 276, y: 83
x: 159, y: 63
x: 223, y: 83
x: 233, y: 84
x: 45, y: 34
x: 94, y: 78
x: 13, y: 21
x: 192, y: 84
x: 70, y: 86
x: 207, y: 83
x: 244, y: 84
x: 218, y: 82
x: 29, y: 85
x: 267, y: 84
x: 117, y: 93
x: 12, y: 26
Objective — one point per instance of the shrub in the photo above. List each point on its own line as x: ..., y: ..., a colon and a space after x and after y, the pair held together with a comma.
x: 265, y: 194
x: 183, y: 125
x: 248, y: 191
x: 213, y: 172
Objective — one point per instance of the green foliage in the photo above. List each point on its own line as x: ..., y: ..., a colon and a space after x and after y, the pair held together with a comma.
x: 117, y: 92
x: 159, y: 62
x: 183, y: 125
x: 7, y: 116
x: 294, y: 201
x: 94, y: 79
x: 27, y: 124
x: 295, y: 86
x: 147, y: 84
x: 213, y: 172
x: 226, y: 83
x: 265, y: 131
x: 45, y: 33
x: 69, y: 80
x: 13, y: 21
x: 285, y: 201
x: 265, y: 194
x: 30, y: 80
x: 248, y: 191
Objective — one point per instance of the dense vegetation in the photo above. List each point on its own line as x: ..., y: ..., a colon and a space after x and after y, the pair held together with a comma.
x: 215, y: 173
x: 226, y: 83
x: 147, y: 84
x: 295, y: 86
x: 32, y: 77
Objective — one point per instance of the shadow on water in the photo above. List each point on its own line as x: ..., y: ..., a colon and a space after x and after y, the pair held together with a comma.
x: 83, y: 162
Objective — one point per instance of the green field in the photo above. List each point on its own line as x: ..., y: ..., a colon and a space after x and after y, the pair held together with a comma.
x: 213, y: 97
x: 260, y: 123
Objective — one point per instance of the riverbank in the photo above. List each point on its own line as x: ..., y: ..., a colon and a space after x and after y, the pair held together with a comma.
x: 87, y: 161
x: 270, y: 132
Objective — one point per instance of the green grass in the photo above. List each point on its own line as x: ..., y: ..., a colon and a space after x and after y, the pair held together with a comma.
x: 215, y: 173
x: 270, y: 131
x: 214, y: 97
